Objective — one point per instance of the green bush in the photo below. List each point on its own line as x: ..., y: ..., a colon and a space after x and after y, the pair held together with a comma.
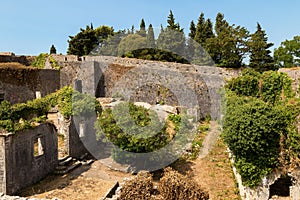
x: 40, y: 61
x: 129, y: 133
x: 270, y: 86
x: 259, y: 125
x: 23, y: 115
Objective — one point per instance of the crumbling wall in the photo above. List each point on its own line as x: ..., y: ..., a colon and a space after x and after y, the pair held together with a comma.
x: 294, y: 74
x: 105, y: 76
x: 19, y: 85
x: 28, y: 156
x: 80, y: 135
x: 11, y: 57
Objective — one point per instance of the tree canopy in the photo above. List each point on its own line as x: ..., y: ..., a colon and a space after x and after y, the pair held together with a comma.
x: 206, y: 43
x: 288, y: 54
x: 260, y: 53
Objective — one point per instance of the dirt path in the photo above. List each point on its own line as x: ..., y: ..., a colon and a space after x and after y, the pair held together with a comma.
x: 214, y: 173
x: 211, y: 139
x: 212, y: 170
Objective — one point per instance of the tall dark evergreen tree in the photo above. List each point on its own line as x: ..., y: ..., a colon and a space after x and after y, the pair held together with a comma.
x: 52, y: 49
x: 227, y: 48
x: 221, y: 24
x: 142, y: 31
x: 192, y: 33
x: 200, y: 30
x: 172, y: 24
x: 172, y: 37
x: 260, y: 55
x: 209, y: 33
x: 150, y: 39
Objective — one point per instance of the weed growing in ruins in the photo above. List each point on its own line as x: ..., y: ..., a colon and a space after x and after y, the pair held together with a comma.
x: 26, y: 115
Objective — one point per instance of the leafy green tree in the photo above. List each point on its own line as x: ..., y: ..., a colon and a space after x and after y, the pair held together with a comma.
x: 150, y: 39
x: 260, y: 55
x: 103, y: 32
x: 229, y: 47
x: 87, y: 39
x: 52, y: 49
x: 130, y: 43
x: 288, y: 54
x: 109, y: 47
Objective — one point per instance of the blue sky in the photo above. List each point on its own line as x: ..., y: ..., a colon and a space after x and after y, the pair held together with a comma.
x: 31, y: 27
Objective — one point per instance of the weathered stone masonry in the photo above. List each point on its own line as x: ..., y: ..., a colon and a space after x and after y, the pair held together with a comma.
x: 27, y: 157
x: 18, y: 85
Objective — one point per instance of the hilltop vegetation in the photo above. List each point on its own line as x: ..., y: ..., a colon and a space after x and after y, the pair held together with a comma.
x: 207, y: 43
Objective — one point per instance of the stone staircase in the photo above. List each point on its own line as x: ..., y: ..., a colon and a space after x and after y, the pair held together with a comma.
x: 67, y: 164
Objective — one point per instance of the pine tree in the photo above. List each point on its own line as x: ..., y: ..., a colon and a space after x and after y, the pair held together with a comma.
x: 171, y: 23
x: 150, y: 39
x: 260, y: 58
x: 52, y: 49
x: 221, y: 24
x: 172, y: 37
x: 192, y: 33
x: 227, y: 48
x: 208, y: 29
x: 200, y: 30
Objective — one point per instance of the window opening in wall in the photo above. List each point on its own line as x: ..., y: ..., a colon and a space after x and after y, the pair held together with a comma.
x: 281, y: 187
x: 1, y: 97
x: 81, y: 130
x: 38, y: 95
x: 38, y: 147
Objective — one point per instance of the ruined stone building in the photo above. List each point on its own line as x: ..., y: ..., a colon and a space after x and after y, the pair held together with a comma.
x: 30, y: 155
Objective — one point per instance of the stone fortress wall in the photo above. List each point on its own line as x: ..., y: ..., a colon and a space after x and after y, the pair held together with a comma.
x: 147, y: 81
x: 150, y: 81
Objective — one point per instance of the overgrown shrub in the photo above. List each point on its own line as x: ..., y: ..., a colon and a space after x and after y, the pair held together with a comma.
x: 259, y: 125
x: 270, y: 86
x: 175, y: 186
x: 132, y: 129
x: 40, y: 61
x: 24, y: 115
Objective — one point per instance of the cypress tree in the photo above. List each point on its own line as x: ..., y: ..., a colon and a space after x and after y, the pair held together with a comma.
x: 52, y: 49
x: 221, y: 24
x: 150, y: 37
x: 142, y: 31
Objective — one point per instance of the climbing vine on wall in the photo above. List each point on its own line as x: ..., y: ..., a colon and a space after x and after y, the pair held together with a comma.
x: 25, y: 115
x: 41, y: 59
